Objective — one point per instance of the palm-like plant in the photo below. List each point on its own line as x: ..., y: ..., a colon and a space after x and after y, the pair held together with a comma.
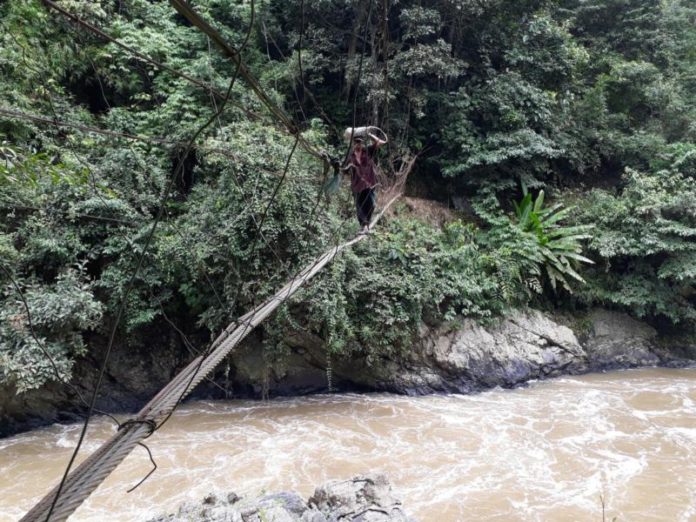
x: 559, y: 247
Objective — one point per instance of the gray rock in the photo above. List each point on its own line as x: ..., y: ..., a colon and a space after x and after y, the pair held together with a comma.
x: 619, y: 341
x: 523, y: 346
x: 312, y: 515
x: 211, y: 509
x: 290, y: 502
x: 366, y: 498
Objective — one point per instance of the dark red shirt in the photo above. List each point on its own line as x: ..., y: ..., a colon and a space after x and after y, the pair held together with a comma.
x: 364, y: 173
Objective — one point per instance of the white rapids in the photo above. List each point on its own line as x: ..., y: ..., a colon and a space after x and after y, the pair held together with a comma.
x: 548, y: 452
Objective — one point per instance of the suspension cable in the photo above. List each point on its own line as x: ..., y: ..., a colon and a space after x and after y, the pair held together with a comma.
x: 192, y: 16
x: 122, y: 306
x: 200, y: 83
x: 88, y: 475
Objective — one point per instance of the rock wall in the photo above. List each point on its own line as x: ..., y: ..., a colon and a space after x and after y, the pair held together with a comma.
x: 132, y: 377
x: 523, y: 346
x: 462, y: 357
x: 466, y: 356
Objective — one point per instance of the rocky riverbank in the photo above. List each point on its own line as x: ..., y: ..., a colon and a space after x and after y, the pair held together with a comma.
x: 366, y: 498
x: 465, y: 356
x: 462, y: 356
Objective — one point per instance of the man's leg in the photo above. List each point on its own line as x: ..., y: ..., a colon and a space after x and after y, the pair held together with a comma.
x: 362, y: 206
x: 369, y: 205
x: 359, y: 206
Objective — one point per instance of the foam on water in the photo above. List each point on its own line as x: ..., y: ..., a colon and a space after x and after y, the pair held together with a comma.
x: 545, y: 452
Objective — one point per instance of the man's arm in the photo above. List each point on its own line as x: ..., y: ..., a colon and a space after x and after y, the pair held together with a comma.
x: 377, y: 142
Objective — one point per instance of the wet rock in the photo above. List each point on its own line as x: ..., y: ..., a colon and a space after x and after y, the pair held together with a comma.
x: 619, y: 341
x: 290, y: 502
x: 366, y: 498
x: 523, y: 346
x: 520, y: 347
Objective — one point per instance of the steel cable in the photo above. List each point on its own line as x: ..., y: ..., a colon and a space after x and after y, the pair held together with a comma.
x: 121, y: 309
x: 87, y: 476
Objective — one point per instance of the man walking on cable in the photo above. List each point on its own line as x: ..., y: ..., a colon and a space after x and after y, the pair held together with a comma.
x: 364, y: 178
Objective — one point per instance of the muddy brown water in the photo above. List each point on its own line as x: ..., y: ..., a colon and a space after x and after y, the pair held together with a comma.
x: 545, y: 452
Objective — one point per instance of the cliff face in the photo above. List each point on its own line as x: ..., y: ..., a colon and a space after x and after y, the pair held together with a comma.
x: 466, y: 356
x: 459, y: 357
x: 523, y: 346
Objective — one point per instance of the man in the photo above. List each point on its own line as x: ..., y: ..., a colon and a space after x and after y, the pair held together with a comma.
x: 364, y: 179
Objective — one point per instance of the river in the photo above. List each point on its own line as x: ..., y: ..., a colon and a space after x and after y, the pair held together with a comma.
x: 545, y: 452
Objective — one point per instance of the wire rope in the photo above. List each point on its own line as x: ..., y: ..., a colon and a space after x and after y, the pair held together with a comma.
x: 166, y: 401
x: 86, y: 25
x: 121, y: 308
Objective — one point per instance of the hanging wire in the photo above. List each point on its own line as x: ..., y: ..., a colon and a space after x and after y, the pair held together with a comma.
x: 122, y: 306
x: 245, y: 321
x: 42, y: 347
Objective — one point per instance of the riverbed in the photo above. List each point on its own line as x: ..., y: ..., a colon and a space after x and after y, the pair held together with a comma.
x: 555, y: 450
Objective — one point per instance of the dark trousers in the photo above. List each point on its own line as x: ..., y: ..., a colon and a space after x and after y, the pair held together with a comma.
x: 365, y: 205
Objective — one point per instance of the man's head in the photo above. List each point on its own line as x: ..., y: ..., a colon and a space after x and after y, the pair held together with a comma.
x: 358, y: 144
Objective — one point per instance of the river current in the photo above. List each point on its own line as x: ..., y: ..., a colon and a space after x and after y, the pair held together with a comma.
x: 550, y: 451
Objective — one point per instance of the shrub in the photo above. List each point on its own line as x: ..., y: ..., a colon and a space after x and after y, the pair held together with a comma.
x: 645, y: 244
x: 59, y: 314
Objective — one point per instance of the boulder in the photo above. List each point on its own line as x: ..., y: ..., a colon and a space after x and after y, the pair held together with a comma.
x: 619, y: 341
x: 526, y: 344
x: 366, y: 498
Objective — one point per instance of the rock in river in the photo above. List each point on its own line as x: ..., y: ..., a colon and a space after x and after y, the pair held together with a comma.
x: 365, y: 498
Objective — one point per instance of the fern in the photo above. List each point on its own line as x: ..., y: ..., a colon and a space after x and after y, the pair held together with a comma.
x: 559, y: 246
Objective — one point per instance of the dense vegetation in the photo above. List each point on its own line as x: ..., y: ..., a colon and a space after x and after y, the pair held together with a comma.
x: 589, y: 101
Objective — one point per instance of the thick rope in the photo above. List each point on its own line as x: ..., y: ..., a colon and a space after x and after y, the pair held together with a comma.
x: 200, y: 83
x: 92, y: 472
x: 192, y: 16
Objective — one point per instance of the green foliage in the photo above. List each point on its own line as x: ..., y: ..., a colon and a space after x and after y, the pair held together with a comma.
x: 557, y: 95
x: 538, y: 240
x: 59, y: 314
x: 645, y: 239
x: 500, y: 124
x: 373, y: 299
x: 629, y: 27
x: 20, y: 170
x: 558, y: 247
